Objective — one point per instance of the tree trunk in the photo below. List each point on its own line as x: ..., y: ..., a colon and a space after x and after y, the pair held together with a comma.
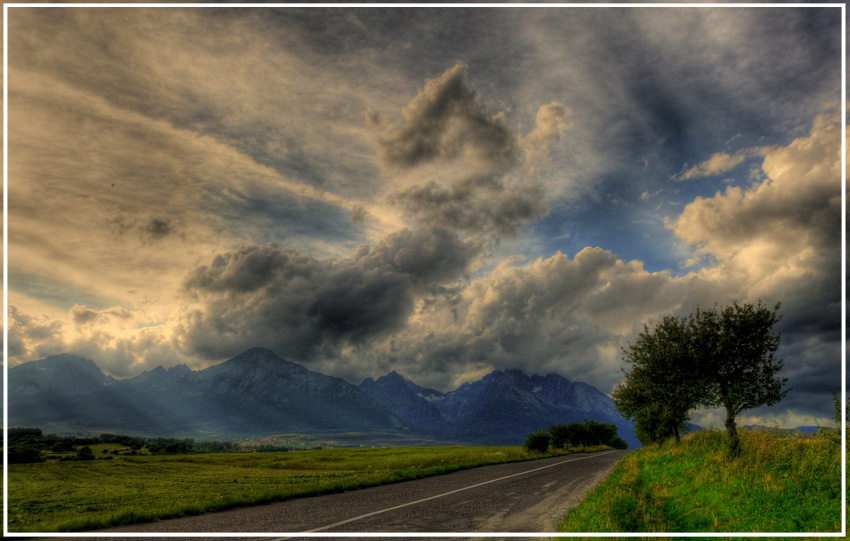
x: 732, y: 432
x: 676, y: 433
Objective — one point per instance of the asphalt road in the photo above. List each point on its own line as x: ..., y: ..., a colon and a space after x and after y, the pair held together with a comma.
x: 526, y: 497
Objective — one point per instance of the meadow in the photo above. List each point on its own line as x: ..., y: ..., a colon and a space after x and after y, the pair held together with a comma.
x: 777, y: 484
x: 87, y: 495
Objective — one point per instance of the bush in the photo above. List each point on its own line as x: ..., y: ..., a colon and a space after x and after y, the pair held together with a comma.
x: 24, y: 454
x: 618, y: 443
x: 600, y: 433
x: 85, y: 453
x: 537, y: 441
x: 62, y: 447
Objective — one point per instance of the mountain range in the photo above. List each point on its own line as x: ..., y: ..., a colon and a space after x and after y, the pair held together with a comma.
x: 258, y: 393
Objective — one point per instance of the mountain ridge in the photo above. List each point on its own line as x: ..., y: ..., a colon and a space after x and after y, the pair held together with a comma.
x: 258, y: 393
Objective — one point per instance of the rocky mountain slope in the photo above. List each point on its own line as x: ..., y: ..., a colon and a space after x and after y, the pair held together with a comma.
x: 258, y: 393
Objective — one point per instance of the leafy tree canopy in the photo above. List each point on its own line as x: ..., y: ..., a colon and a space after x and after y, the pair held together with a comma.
x: 723, y: 357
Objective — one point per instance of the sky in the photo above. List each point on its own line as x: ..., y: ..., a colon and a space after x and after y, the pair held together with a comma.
x: 438, y: 191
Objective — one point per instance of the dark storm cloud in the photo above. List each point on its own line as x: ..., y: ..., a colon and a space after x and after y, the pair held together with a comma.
x: 475, y: 204
x: 470, y: 181
x: 427, y: 256
x: 303, y: 307
x: 446, y: 121
x: 294, y: 304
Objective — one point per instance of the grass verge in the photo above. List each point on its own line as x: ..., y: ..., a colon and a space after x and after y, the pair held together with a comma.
x: 777, y: 484
x: 81, y: 496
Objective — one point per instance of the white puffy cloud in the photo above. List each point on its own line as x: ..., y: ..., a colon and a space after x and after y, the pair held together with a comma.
x: 782, y: 230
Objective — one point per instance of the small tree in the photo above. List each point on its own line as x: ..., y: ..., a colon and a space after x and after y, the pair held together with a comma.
x: 664, y: 382
x: 537, y: 441
x: 578, y: 434
x: 735, y: 347
x: 651, y: 425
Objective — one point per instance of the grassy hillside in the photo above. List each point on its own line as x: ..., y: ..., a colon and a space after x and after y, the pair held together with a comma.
x: 778, y: 484
x: 73, y: 496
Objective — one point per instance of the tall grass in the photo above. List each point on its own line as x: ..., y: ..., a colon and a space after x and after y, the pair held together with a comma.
x: 777, y: 484
x: 79, y: 496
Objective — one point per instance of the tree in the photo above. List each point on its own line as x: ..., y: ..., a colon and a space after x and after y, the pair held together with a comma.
x: 588, y: 433
x: 664, y: 384
x: 560, y: 436
x: 85, y: 453
x: 600, y: 433
x: 652, y: 425
x: 537, y: 441
x: 735, y: 348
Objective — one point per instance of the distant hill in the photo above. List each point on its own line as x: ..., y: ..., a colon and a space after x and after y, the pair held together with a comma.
x: 258, y: 393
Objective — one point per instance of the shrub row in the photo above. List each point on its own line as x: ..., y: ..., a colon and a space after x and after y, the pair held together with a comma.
x: 575, y: 435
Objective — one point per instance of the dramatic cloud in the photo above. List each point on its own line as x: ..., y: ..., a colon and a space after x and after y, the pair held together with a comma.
x: 469, y: 178
x: 33, y: 337
x: 121, y: 342
x: 783, y: 229
x: 778, y: 240
x: 306, y: 308
x: 477, y: 204
x: 447, y: 121
x: 550, y: 315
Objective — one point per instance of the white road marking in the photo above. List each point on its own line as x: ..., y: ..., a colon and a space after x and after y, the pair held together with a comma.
x: 388, y: 509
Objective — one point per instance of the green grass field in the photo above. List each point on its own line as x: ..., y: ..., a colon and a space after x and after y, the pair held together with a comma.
x: 78, y: 496
x: 777, y: 484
